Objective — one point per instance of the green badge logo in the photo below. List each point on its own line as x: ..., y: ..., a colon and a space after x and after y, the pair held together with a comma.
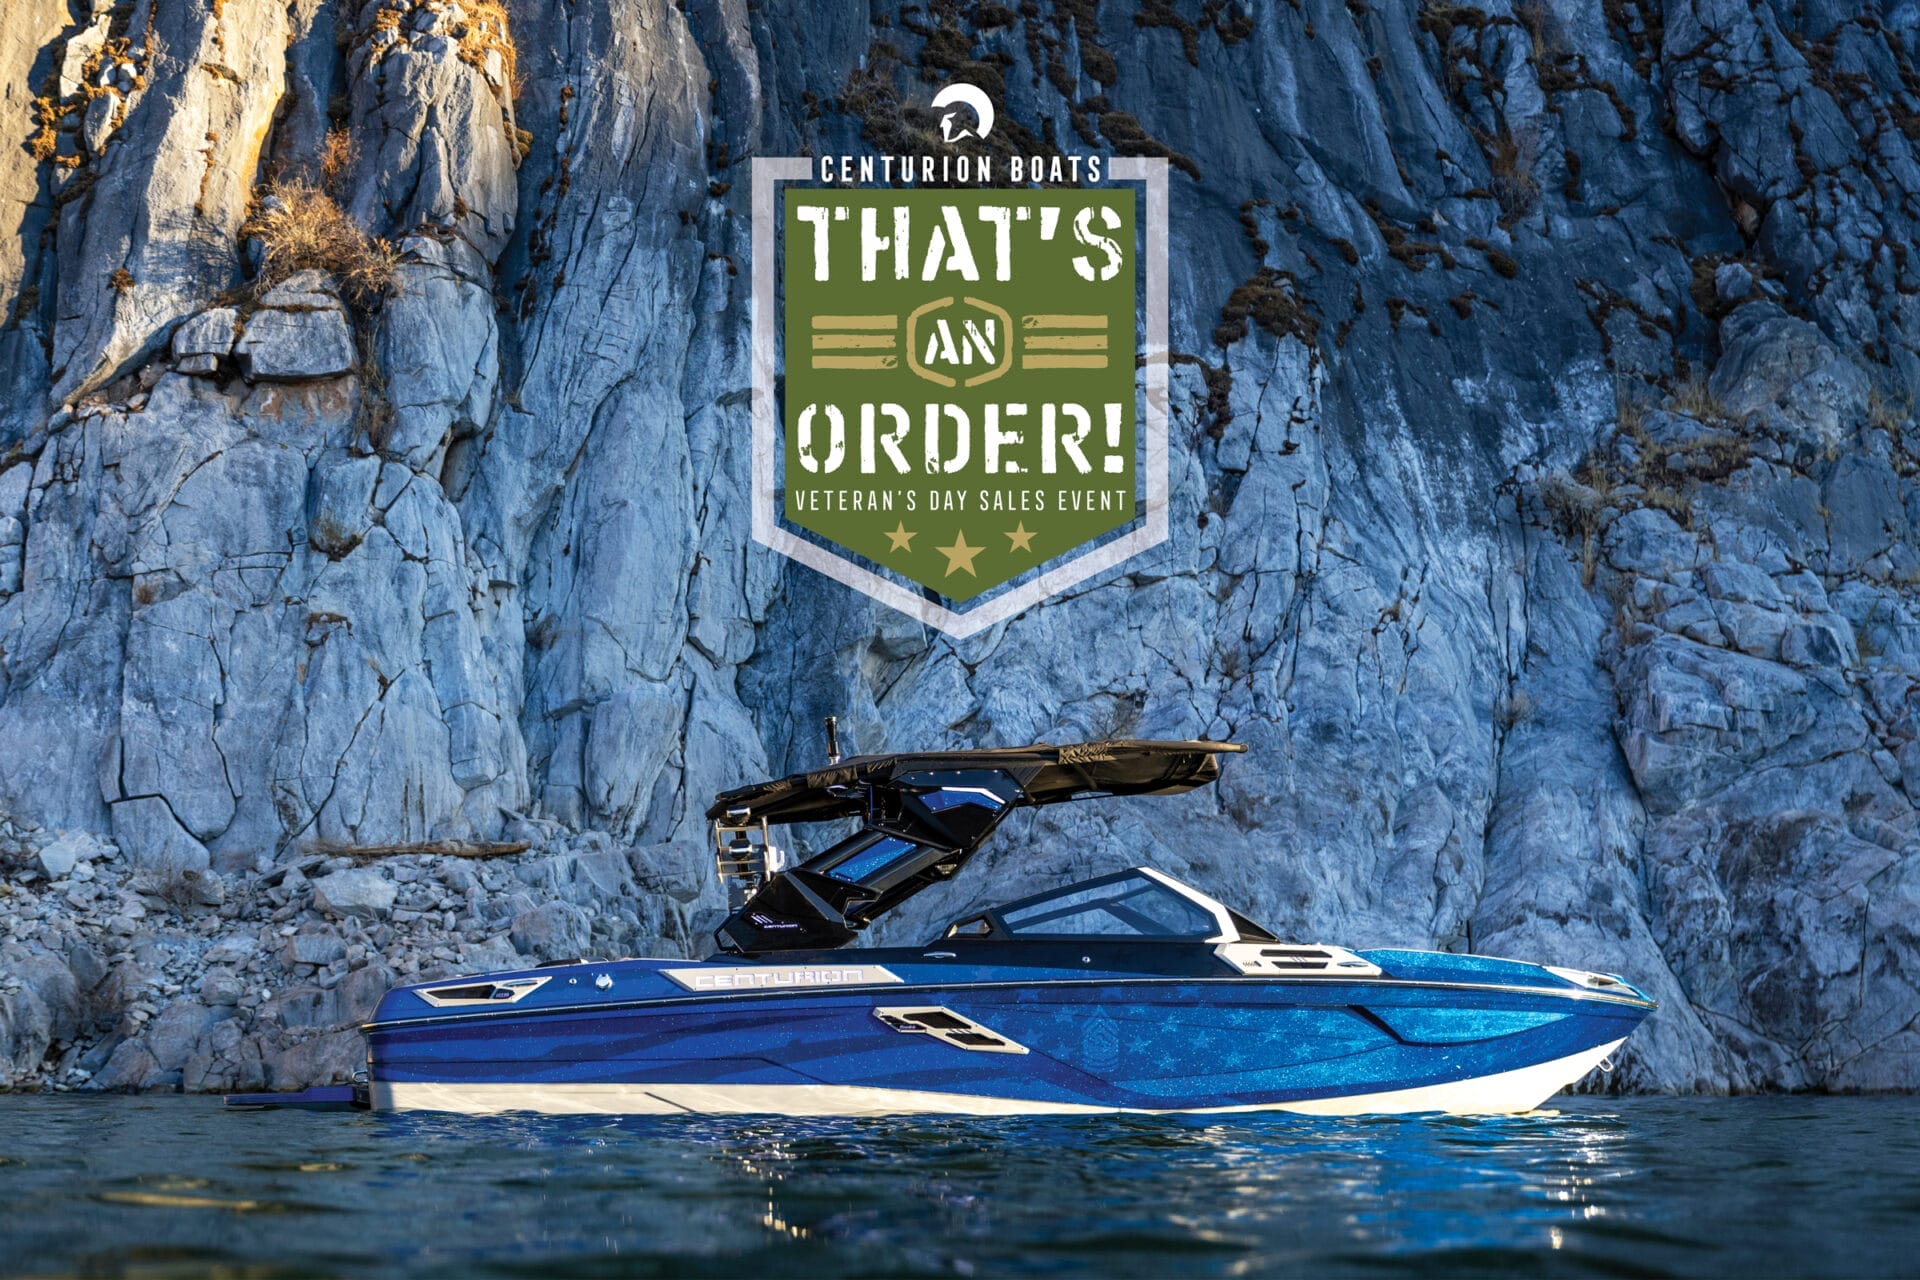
x: 967, y: 422
x: 960, y: 376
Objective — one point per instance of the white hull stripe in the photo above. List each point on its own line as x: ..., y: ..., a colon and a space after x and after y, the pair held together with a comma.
x: 1504, y: 1092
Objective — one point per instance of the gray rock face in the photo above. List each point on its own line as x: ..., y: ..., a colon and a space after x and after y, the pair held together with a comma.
x: 438, y: 349
x: 160, y: 182
x: 24, y: 270
x: 1555, y: 555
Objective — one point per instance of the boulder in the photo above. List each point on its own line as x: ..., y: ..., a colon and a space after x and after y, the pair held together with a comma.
x: 552, y: 931
x: 1732, y: 282
x: 361, y: 892
x: 208, y: 335
x: 146, y: 829
x: 71, y: 848
x: 224, y: 1058
x: 680, y: 871
x: 305, y: 1008
x: 307, y: 290
x: 1649, y: 543
x: 171, y: 1036
x: 314, y: 946
x: 498, y: 953
x: 1783, y: 368
x: 329, y: 1058
x: 343, y: 487
x: 12, y: 535
x: 221, y: 987
x: 132, y: 1066
x: 290, y: 346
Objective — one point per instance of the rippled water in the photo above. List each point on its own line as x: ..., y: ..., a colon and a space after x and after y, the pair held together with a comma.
x: 173, y: 1186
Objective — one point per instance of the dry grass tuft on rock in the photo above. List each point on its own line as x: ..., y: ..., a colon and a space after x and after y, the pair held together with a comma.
x: 1633, y: 469
x: 1694, y: 399
x: 1516, y: 708
x: 338, y: 153
x: 1537, y: 18
x: 1889, y: 414
x: 486, y: 31
x: 301, y: 227
x: 1511, y: 158
x: 1268, y: 298
x: 1577, y: 507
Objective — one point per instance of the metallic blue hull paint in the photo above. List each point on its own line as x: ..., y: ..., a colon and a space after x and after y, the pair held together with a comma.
x: 1097, y: 1035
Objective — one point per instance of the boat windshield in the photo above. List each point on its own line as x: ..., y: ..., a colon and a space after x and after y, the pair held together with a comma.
x: 1131, y: 905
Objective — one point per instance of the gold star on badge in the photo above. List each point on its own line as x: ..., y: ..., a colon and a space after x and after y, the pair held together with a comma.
x: 960, y: 555
x: 1020, y: 538
x: 900, y: 538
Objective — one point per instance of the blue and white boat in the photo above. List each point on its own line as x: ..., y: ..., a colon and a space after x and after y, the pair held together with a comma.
x: 1129, y: 992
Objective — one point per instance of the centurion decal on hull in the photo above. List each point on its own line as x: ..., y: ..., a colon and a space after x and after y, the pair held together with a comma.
x: 757, y: 979
x: 1128, y: 992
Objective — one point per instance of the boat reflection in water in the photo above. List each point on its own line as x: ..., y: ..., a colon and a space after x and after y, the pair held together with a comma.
x: 1647, y: 1186
x: 1129, y: 992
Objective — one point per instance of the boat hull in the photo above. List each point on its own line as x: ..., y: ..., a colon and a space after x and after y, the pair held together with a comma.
x: 1135, y: 1044
x: 1513, y: 1091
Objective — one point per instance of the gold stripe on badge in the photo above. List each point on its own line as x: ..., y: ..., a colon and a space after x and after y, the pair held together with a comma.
x: 1067, y: 342
x: 1043, y: 343
x: 837, y: 334
x: 856, y: 362
x: 1057, y: 320
x: 856, y: 322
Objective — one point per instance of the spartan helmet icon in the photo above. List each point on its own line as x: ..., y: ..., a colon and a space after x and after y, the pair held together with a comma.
x: 964, y: 95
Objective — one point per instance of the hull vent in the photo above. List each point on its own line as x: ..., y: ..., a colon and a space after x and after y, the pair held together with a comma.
x: 948, y: 1027
x: 1593, y: 981
x: 489, y: 991
x: 1295, y: 960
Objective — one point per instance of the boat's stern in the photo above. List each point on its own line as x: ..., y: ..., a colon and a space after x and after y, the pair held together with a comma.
x: 581, y: 984
x: 443, y: 1028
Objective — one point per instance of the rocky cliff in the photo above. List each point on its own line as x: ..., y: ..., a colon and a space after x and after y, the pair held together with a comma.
x: 374, y: 446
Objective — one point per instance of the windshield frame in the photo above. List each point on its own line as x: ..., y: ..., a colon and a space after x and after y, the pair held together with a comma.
x: 991, y: 924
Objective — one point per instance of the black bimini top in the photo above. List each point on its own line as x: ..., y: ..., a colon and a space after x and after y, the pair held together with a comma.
x: 923, y: 814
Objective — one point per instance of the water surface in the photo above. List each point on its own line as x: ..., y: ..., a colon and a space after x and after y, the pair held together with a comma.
x: 172, y: 1186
